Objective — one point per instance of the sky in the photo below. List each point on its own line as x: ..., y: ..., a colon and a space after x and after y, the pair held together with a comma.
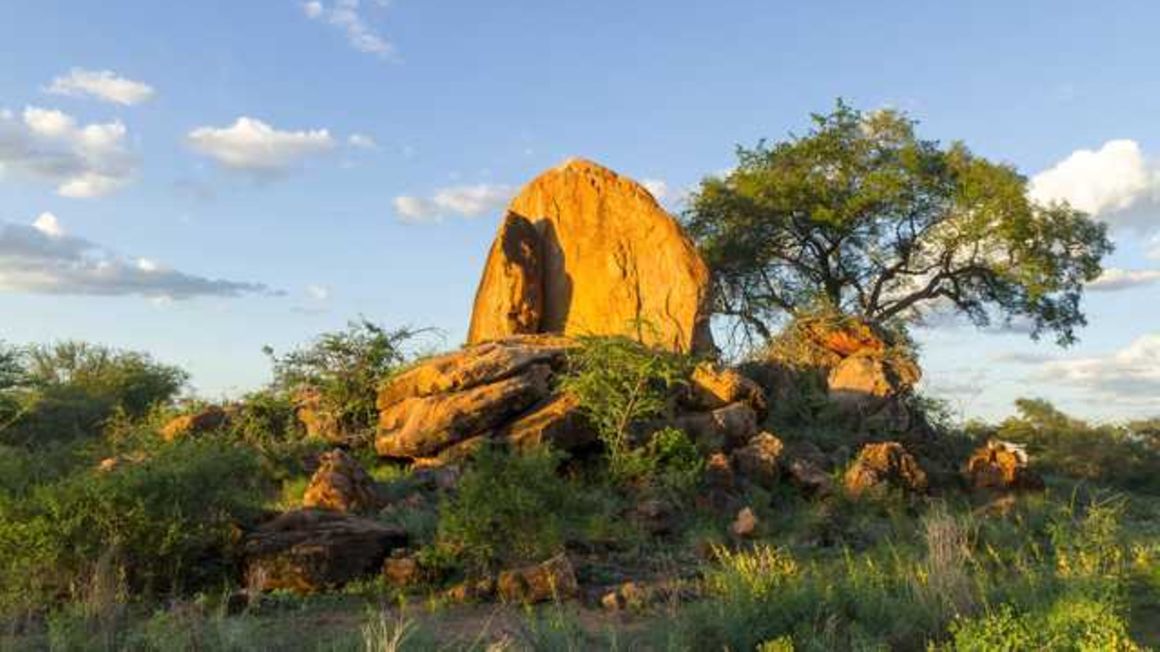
x: 200, y: 179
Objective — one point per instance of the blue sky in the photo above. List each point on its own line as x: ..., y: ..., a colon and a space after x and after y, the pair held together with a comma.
x: 206, y: 178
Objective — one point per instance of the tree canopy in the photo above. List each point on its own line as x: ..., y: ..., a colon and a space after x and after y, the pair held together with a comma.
x: 862, y: 216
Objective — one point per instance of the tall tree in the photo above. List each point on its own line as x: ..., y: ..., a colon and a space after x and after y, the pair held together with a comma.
x: 862, y: 216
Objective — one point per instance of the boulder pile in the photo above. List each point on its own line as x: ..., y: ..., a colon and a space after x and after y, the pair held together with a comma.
x: 443, y: 408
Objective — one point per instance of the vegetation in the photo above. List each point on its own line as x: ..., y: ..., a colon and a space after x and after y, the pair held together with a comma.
x: 114, y: 538
x: 345, y: 368
x: 863, y: 216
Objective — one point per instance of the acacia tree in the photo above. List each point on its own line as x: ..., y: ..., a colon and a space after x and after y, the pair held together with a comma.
x: 863, y: 217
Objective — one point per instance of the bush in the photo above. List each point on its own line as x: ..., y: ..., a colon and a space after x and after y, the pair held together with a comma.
x: 70, y: 389
x: 509, y: 508
x: 1119, y: 456
x: 346, y: 367
x: 621, y: 383
x: 1075, y: 623
x: 163, y: 524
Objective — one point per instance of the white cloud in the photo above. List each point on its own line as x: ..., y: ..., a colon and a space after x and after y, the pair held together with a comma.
x: 102, y: 85
x: 1128, y: 376
x: 658, y: 188
x: 1115, y: 183
x: 347, y: 17
x: 82, y: 160
x: 362, y: 141
x: 1114, y: 279
x: 318, y: 292
x: 254, y: 146
x: 463, y: 201
x: 42, y: 259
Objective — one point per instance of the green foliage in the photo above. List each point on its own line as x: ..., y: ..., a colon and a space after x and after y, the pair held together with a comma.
x: 620, y: 384
x: 264, y: 419
x: 164, y: 523
x: 509, y: 508
x: 346, y: 367
x: 70, y: 389
x: 1072, y: 623
x: 862, y: 215
x: 1108, y: 454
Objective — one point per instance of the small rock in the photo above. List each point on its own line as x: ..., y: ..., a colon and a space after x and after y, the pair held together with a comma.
x: 340, y: 484
x: 759, y: 460
x: 885, y: 464
x: 402, y: 571
x: 1002, y: 465
x: 655, y: 516
x: 745, y: 525
x: 207, y: 419
x: 552, y: 580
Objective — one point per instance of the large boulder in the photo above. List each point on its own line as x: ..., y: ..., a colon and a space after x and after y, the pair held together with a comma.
x: 584, y: 251
x: 883, y: 466
x: 423, y: 426
x: 307, y: 551
x: 1001, y: 465
x: 340, y: 484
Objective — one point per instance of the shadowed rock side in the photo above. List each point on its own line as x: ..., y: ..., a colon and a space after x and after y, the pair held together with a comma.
x: 605, y: 259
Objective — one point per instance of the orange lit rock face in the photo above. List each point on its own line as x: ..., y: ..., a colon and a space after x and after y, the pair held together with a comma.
x: 606, y: 259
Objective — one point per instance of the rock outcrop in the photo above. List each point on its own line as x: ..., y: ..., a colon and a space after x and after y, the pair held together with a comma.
x: 206, y: 419
x: 884, y: 465
x: 503, y: 391
x: 584, y: 251
x: 341, y: 485
x: 310, y: 550
x: 1003, y: 466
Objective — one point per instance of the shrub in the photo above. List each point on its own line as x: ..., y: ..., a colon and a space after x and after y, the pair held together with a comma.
x: 70, y: 389
x: 164, y: 523
x: 509, y: 508
x: 346, y: 367
x: 1112, y: 455
x: 1071, y: 623
x: 621, y: 383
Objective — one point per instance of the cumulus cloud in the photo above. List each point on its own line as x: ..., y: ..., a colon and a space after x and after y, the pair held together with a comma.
x: 103, y: 85
x: 1128, y: 376
x: 463, y: 201
x: 1115, y: 183
x: 82, y: 160
x: 348, y: 17
x: 41, y: 258
x: 253, y: 146
x: 1114, y: 279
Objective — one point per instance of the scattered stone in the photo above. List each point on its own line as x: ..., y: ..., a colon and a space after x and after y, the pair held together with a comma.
x: 655, y: 516
x: 628, y: 595
x: 340, y: 484
x: 552, y: 580
x: 604, y: 257
x: 402, y: 571
x: 745, y: 525
x: 472, y: 590
x: 885, y: 464
x: 207, y: 419
x: 1002, y: 465
x: 723, y: 428
x: 719, y: 473
x: 310, y: 550
x: 759, y: 461
x: 712, y: 387
x: 809, y: 478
